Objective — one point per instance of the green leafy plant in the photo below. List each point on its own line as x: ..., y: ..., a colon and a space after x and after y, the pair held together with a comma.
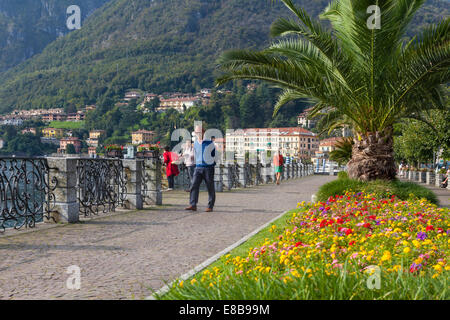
x: 343, y: 152
x: 364, y: 78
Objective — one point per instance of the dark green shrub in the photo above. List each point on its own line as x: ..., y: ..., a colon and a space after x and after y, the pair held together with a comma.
x: 380, y: 188
x: 342, y: 175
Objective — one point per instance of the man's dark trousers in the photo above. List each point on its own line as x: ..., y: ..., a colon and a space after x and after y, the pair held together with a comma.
x: 207, y: 174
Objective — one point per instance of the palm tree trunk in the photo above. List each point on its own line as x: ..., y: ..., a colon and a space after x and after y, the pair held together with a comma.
x: 373, y: 156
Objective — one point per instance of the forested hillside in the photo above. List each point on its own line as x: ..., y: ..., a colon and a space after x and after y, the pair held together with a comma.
x: 153, y: 45
x: 28, y: 26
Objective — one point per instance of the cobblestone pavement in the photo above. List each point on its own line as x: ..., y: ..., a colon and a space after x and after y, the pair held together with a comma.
x: 127, y: 255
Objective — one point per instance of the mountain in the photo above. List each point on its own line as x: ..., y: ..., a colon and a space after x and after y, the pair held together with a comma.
x: 153, y: 45
x: 28, y: 26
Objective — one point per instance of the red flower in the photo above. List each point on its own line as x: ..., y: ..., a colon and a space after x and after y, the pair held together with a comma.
x: 340, y: 221
x: 373, y: 217
x: 298, y: 244
x: 429, y: 228
x: 367, y: 225
x: 348, y: 231
x: 351, y: 243
x: 323, y: 223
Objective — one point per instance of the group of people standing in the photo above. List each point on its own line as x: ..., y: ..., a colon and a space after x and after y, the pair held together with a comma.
x: 199, y: 158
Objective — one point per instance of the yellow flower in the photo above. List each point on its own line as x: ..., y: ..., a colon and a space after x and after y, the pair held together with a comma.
x: 386, y: 256
x: 406, y: 250
x: 181, y: 284
x: 193, y: 281
x: 437, y: 267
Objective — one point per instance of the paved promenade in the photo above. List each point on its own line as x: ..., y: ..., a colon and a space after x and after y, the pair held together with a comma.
x: 124, y: 256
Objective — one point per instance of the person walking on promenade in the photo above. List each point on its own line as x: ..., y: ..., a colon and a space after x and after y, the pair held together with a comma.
x: 189, y: 161
x: 444, y: 183
x: 205, y: 154
x: 171, y: 168
x: 278, y: 162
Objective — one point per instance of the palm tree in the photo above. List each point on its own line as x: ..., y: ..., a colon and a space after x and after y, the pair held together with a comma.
x: 359, y: 75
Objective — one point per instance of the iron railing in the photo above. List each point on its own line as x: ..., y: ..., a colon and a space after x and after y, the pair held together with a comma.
x: 26, y: 192
x: 101, y: 185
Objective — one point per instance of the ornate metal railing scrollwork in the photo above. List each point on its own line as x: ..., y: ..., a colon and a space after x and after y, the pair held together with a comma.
x: 101, y: 185
x: 26, y: 192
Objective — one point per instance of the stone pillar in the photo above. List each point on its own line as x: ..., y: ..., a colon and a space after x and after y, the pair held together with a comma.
x: 266, y: 173
x: 218, y: 178
x: 430, y: 178
x: 133, y: 172
x: 152, y: 170
x: 439, y: 179
x: 227, y: 176
x: 241, y: 173
x: 67, y: 207
x: 422, y: 177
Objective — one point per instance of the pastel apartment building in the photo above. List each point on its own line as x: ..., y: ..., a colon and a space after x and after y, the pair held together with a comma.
x: 295, y: 142
x: 63, y: 143
x: 52, y: 133
x: 142, y: 136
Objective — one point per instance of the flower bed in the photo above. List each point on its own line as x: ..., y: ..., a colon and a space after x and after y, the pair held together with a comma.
x: 328, y: 250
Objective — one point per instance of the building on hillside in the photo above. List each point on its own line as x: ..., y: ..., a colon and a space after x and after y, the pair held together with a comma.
x: 142, y: 136
x: 92, y: 142
x: 179, y: 104
x: 12, y: 122
x: 49, y: 117
x: 63, y: 143
x: 303, y: 121
x: 29, y: 130
x: 2, y: 143
x: 131, y: 95
x: 75, y: 117
x: 150, y: 96
x: 52, y: 133
x: 92, y: 151
x: 294, y: 142
x: 95, y: 134
x: 326, y: 146
x: 90, y: 108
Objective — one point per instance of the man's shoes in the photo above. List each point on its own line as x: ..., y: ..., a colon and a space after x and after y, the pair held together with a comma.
x: 209, y: 210
x: 191, y: 208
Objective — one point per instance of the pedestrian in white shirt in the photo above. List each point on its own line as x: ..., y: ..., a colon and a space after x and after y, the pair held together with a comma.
x: 189, y: 161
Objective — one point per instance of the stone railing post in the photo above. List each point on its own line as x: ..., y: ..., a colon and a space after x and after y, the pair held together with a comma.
x: 439, y: 179
x: 227, y: 176
x: 218, y: 178
x: 67, y: 207
x: 288, y: 171
x: 241, y: 173
x: 152, y: 170
x: 266, y: 173
x: 422, y: 177
x: 133, y: 172
x: 430, y: 178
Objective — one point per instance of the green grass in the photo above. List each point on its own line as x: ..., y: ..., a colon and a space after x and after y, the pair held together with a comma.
x: 69, y: 125
x: 394, y: 286
x: 381, y: 188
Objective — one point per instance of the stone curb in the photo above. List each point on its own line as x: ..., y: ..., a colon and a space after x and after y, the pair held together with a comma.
x: 214, y: 258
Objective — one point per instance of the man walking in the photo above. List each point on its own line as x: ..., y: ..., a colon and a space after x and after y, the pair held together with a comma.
x: 205, y: 153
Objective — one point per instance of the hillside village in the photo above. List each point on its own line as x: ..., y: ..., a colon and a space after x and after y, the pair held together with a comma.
x: 296, y: 142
